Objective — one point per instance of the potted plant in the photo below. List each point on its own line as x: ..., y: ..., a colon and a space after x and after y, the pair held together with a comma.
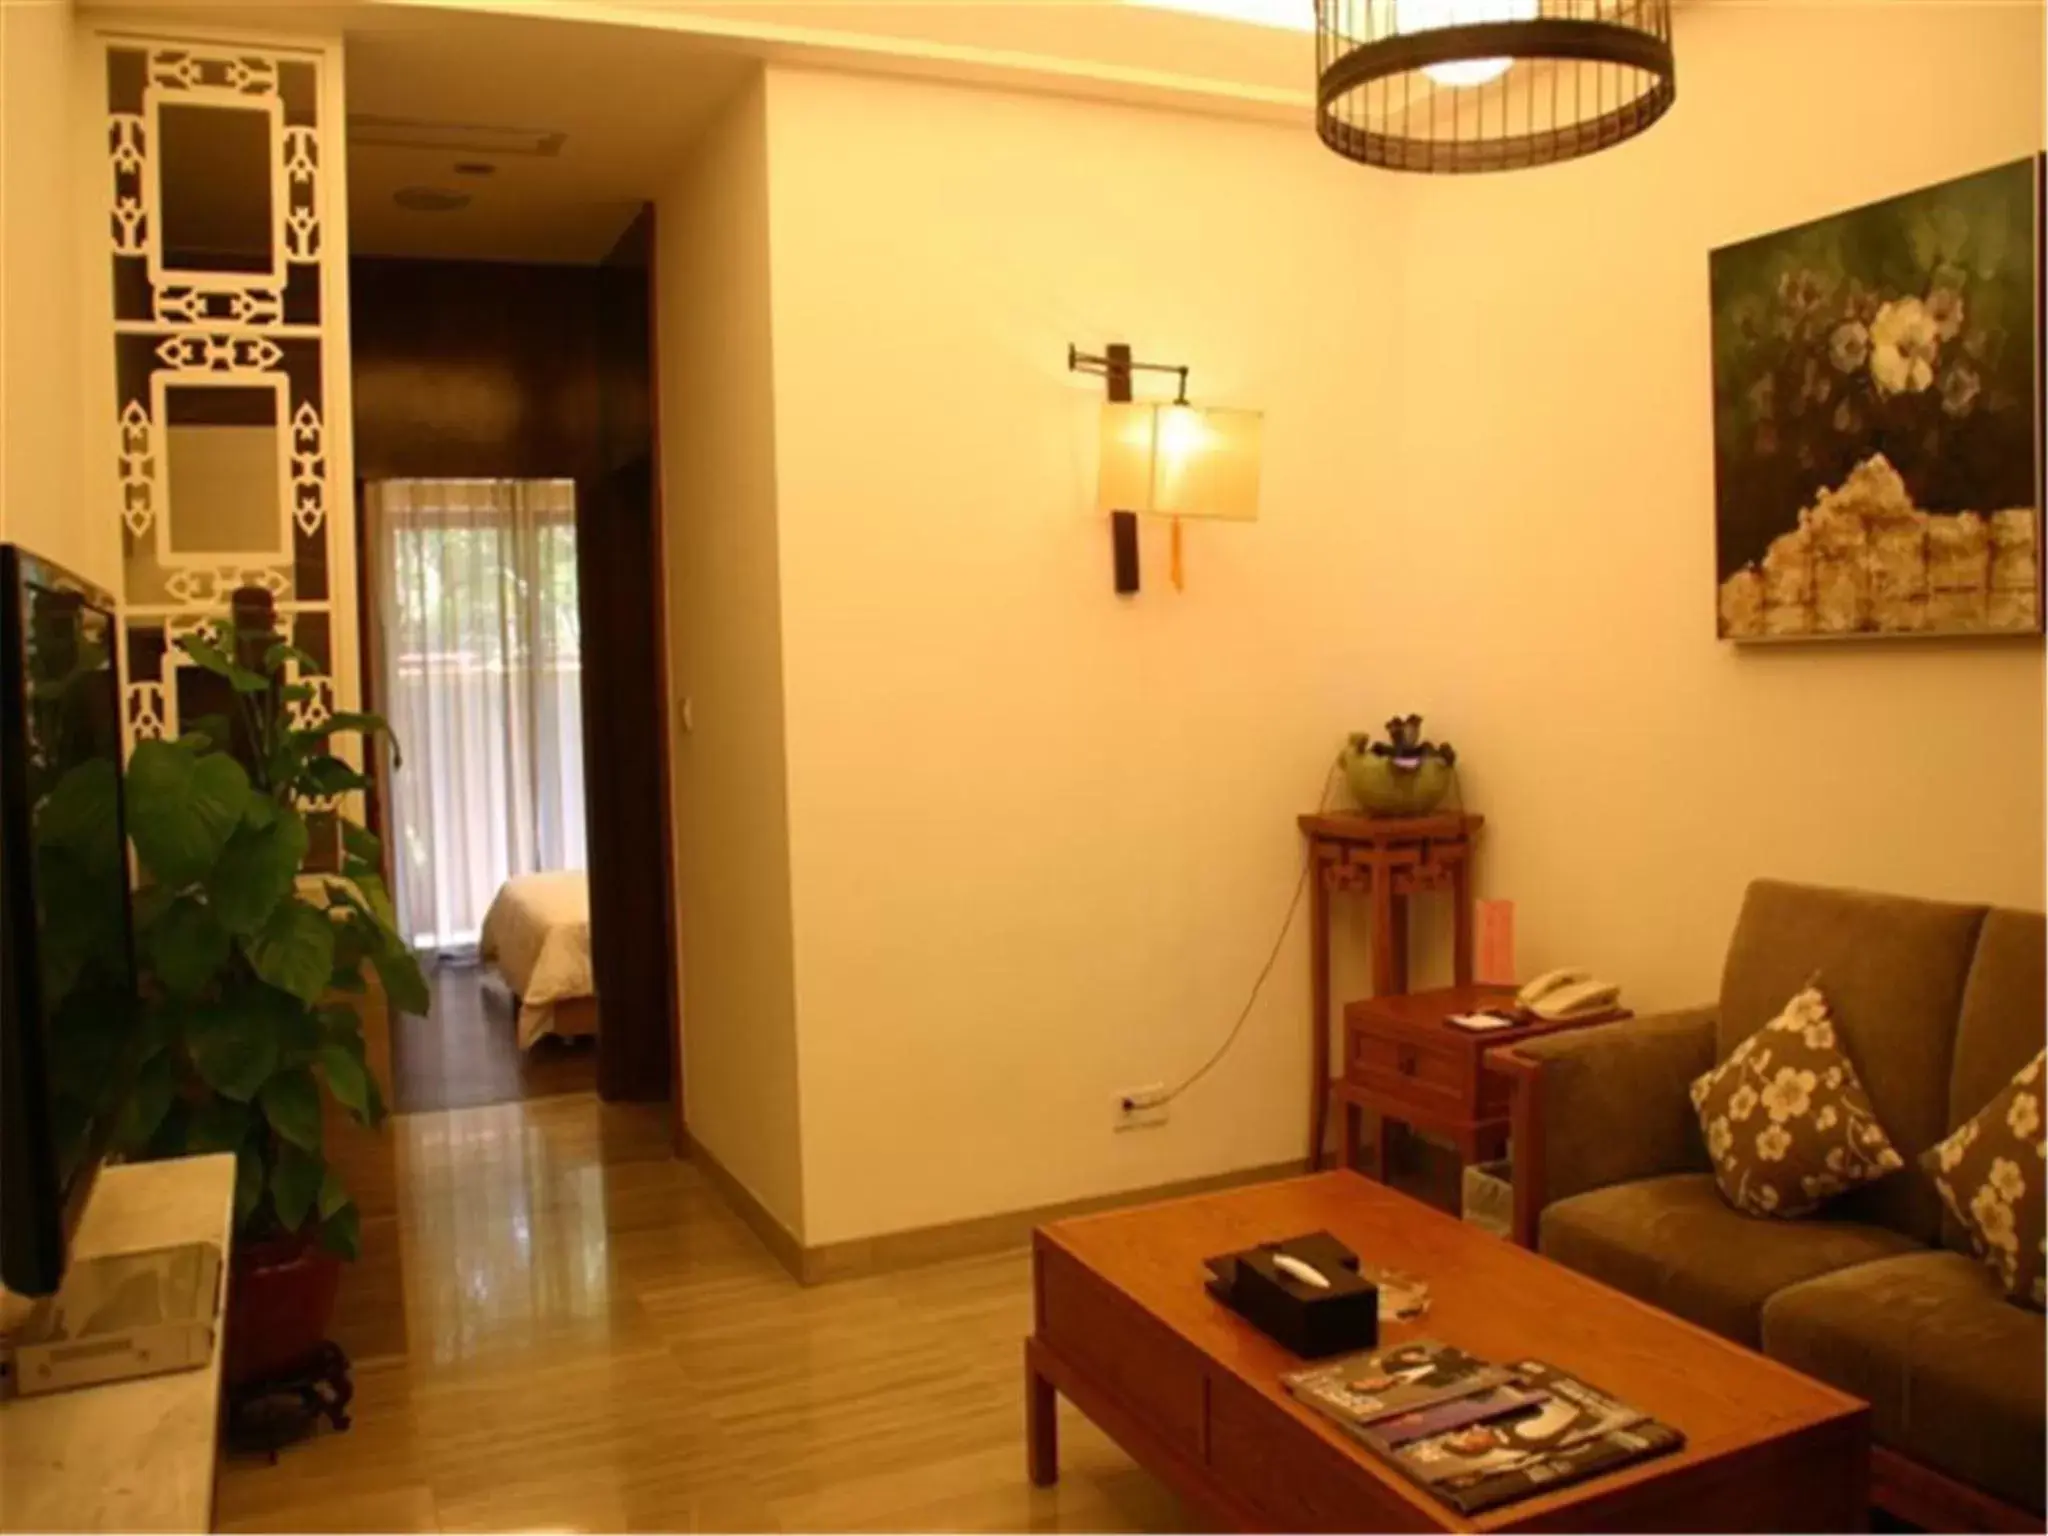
x: 1401, y: 776
x: 249, y: 973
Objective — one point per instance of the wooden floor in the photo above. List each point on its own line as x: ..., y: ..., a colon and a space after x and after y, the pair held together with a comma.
x: 590, y: 1340
x: 467, y: 1052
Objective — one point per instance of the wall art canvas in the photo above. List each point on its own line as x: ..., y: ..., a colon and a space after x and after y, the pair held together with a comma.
x: 1877, y: 418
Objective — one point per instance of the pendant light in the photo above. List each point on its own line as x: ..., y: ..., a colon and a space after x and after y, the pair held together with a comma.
x: 1488, y: 85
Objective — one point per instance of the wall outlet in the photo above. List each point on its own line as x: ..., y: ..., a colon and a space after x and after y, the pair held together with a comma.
x: 1139, y: 1109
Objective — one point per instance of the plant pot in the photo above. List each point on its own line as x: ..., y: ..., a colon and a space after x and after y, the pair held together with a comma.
x: 280, y: 1301
x: 1390, y: 786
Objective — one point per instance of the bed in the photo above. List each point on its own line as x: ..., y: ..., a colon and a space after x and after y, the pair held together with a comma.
x: 537, y: 933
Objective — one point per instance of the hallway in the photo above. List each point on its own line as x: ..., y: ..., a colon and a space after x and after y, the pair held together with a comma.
x: 594, y: 1342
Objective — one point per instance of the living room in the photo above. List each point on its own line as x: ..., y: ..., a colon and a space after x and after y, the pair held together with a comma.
x: 969, y: 846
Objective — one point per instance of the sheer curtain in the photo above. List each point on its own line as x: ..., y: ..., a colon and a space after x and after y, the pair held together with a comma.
x: 481, y: 662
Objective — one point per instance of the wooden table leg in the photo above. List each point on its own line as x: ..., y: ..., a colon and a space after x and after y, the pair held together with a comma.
x: 1354, y: 1131
x: 1397, y: 972
x: 1041, y: 1423
x: 1461, y: 921
x: 1385, y: 965
x: 1389, y: 1133
x: 1319, y: 1009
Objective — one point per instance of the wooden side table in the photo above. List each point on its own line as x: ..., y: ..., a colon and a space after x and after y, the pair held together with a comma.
x: 1389, y: 859
x: 1403, y: 1061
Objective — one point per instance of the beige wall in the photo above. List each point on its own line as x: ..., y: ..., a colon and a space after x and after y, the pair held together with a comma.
x: 1042, y: 837
x: 1558, y: 479
x: 1038, y: 838
x: 40, y: 317
x: 725, y: 657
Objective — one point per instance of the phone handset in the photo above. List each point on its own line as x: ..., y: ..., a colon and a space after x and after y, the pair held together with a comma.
x: 1566, y: 993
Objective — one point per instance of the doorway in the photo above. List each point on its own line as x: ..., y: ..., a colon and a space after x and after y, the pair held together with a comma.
x: 504, y: 449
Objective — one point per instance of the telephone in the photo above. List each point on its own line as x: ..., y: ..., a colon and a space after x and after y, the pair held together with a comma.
x: 1567, y: 993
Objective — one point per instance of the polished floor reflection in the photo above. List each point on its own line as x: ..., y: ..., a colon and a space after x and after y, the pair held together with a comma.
x: 591, y: 1341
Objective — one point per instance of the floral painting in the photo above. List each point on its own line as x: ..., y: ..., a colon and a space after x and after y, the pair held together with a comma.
x: 1876, y: 402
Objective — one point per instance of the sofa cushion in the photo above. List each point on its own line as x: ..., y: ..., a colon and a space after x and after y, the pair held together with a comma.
x: 1675, y: 1243
x: 2001, y: 1028
x: 1893, y: 969
x: 1952, y: 1371
x: 1786, y: 1119
x: 1990, y: 1175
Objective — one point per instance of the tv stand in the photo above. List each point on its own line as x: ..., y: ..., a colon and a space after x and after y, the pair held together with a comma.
x: 130, y: 1455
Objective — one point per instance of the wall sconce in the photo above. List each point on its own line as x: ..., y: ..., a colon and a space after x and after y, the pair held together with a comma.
x: 1168, y: 459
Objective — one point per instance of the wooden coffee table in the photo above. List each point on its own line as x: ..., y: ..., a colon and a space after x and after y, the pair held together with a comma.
x: 1127, y: 1333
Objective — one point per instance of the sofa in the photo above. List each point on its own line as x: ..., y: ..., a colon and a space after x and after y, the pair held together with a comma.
x: 1878, y: 1293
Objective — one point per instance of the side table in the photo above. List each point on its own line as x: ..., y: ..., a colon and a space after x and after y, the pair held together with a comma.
x: 1403, y: 1061
x: 1388, y: 859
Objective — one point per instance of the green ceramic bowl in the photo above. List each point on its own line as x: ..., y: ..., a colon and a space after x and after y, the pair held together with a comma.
x: 1387, y: 788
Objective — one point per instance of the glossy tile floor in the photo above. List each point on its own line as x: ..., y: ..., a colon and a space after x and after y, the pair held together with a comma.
x: 586, y: 1339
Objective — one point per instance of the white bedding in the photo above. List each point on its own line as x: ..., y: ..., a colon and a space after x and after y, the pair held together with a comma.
x: 537, y: 933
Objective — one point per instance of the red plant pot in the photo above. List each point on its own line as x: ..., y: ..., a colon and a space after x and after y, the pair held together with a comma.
x: 280, y: 1301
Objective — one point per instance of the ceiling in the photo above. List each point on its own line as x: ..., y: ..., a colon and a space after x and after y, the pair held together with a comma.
x: 621, y: 105
x: 614, y: 91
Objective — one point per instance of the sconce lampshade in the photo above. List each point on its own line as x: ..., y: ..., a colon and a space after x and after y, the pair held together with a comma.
x: 1179, y: 460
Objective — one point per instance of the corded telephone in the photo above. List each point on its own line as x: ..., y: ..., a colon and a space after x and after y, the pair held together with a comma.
x: 1567, y: 993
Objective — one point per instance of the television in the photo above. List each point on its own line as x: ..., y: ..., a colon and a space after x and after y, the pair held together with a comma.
x: 67, y: 955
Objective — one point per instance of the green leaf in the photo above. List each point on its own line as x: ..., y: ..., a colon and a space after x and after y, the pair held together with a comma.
x: 233, y: 1043
x: 342, y: 1233
x: 361, y: 843
x: 213, y: 732
x: 186, y: 946
x: 298, y: 1037
x: 151, y: 903
x: 291, y: 1103
x: 278, y: 654
x: 328, y: 775
x: 404, y: 983
x: 149, y: 1098
x: 288, y: 756
x: 244, y: 681
x: 220, y: 1125
x: 333, y: 1194
x: 256, y: 871
x: 206, y: 653
x: 295, y: 693
x: 378, y: 899
x: 348, y: 1079
x: 249, y: 1182
x: 295, y: 1184
x: 182, y: 809
x: 78, y: 814
x: 294, y: 950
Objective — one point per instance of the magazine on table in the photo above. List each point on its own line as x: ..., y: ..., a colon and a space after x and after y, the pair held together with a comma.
x: 1475, y: 1434
x: 1360, y: 1388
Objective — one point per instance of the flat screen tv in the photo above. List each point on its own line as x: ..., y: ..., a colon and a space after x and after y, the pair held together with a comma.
x: 67, y: 955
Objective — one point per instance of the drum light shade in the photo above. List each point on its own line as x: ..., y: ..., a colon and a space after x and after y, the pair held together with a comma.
x: 1488, y: 85
x: 1179, y: 460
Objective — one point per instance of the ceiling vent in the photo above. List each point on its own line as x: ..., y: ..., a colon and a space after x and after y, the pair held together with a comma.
x: 367, y: 130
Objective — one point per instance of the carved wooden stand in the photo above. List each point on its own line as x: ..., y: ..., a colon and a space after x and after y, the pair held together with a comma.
x: 273, y: 1411
x: 1389, y: 859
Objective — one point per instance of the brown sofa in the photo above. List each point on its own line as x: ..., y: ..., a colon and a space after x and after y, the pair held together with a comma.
x: 1879, y: 1294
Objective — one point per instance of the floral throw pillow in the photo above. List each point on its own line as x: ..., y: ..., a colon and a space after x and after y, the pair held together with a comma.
x: 1990, y: 1174
x: 1787, y: 1122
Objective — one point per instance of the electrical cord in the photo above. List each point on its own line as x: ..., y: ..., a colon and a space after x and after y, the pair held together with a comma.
x: 1266, y: 970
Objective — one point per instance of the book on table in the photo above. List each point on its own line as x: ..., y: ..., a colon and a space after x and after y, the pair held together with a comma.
x: 1476, y: 1434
